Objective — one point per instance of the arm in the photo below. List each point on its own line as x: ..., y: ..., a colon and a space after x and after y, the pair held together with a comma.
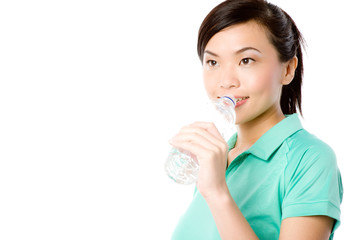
x: 310, y: 228
x: 313, y: 190
x: 230, y: 221
x: 204, y: 141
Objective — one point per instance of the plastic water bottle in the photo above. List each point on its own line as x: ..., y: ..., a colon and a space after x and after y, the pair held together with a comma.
x: 182, y: 166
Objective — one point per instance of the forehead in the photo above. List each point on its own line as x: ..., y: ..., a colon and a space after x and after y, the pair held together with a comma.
x: 249, y: 34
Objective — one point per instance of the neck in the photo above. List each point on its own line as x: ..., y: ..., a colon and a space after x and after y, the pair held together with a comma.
x: 251, y: 131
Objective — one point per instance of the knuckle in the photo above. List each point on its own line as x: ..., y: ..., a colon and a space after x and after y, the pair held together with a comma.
x: 210, y: 125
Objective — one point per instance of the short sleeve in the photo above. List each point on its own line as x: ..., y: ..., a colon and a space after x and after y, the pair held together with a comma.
x: 313, y: 184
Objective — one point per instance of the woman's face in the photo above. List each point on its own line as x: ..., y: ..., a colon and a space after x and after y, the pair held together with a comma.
x: 240, y: 61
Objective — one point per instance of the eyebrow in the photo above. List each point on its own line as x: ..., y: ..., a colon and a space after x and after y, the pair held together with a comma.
x: 237, y: 52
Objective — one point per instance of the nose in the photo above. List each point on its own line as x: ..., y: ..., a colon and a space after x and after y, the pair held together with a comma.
x: 229, y: 78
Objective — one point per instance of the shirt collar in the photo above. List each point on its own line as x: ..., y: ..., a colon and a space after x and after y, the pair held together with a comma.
x: 273, y: 138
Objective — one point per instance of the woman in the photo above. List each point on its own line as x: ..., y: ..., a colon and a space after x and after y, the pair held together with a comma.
x: 273, y: 180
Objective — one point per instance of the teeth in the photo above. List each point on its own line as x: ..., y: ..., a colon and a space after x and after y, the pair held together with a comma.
x: 243, y: 98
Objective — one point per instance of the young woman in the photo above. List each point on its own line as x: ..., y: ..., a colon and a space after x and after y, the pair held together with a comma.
x: 273, y: 180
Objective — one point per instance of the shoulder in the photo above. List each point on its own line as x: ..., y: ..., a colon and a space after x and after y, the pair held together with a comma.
x: 312, y: 181
x: 304, y: 146
x: 309, y: 156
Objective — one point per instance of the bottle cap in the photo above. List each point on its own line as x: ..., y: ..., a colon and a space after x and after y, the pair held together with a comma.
x: 231, y: 99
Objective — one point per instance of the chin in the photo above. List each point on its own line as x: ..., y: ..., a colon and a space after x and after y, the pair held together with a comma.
x: 248, y: 117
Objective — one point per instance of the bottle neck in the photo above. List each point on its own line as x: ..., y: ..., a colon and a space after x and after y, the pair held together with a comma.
x: 225, y: 106
x: 230, y: 99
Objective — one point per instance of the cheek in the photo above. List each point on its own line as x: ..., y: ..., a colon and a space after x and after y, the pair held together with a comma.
x: 266, y: 82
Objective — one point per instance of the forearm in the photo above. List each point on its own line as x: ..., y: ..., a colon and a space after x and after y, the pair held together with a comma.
x: 230, y: 221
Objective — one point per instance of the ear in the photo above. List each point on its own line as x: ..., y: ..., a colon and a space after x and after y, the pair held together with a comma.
x: 290, y: 68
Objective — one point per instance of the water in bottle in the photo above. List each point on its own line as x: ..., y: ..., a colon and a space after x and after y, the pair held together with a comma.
x: 182, y: 166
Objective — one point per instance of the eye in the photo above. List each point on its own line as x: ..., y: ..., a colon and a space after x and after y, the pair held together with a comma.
x: 212, y: 63
x: 246, y: 61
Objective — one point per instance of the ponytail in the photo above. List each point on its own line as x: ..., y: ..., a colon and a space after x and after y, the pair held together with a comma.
x: 291, y: 97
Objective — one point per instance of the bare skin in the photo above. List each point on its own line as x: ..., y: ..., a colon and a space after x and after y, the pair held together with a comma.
x: 240, y: 61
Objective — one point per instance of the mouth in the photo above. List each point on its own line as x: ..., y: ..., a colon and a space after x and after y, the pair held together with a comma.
x: 238, y: 99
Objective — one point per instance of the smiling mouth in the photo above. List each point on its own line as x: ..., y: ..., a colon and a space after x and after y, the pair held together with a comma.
x: 241, y: 99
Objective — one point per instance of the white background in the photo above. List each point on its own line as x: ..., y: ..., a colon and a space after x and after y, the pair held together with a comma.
x: 91, y: 92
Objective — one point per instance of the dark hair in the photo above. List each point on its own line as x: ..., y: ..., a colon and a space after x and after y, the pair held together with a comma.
x: 281, y: 30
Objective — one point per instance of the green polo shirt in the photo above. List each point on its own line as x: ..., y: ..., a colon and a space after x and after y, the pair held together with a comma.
x: 287, y: 173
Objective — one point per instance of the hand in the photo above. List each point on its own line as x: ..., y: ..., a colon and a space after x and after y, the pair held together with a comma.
x: 203, y: 140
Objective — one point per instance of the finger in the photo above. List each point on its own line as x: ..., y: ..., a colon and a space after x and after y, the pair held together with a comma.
x: 205, y: 130
x: 185, y: 141
x: 198, y: 150
x: 209, y: 127
x: 194, y: 138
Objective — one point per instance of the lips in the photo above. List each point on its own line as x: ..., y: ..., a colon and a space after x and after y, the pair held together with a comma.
x: 238, y: 99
